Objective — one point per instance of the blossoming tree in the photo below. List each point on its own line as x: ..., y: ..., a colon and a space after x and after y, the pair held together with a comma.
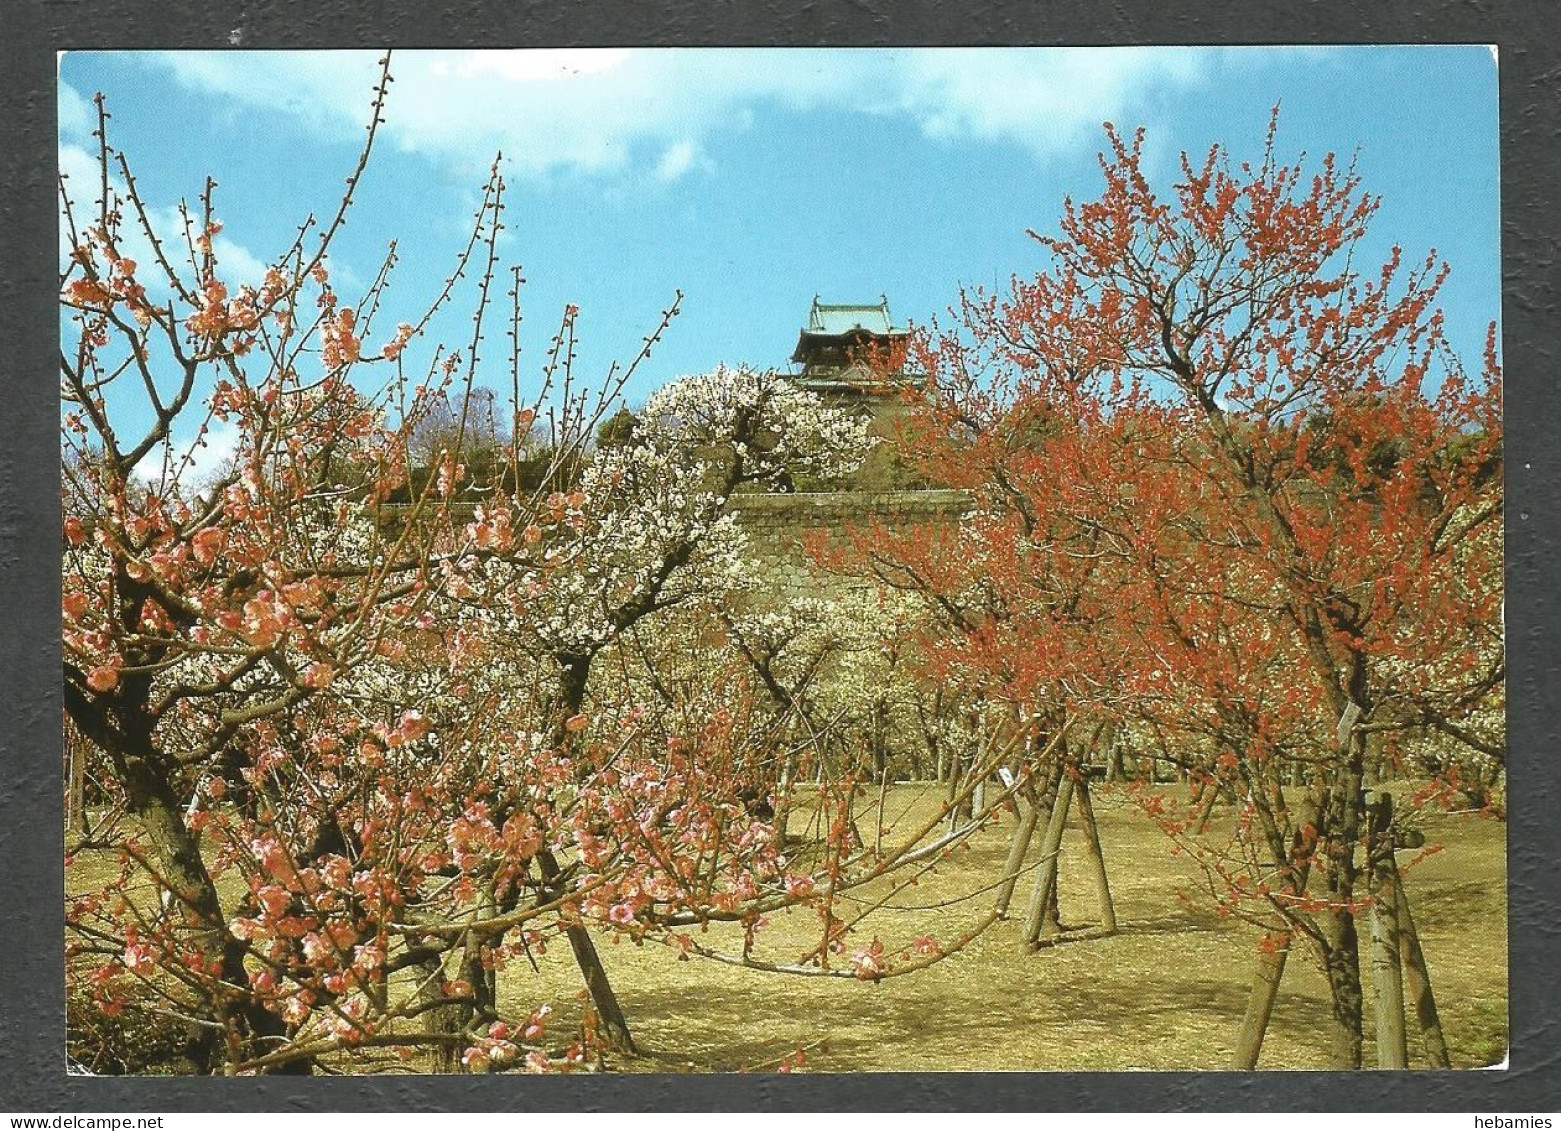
x: 341, y: 688
x: 1264, y: 487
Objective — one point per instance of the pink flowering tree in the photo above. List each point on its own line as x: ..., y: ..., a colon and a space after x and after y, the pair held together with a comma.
x: 344, y: 691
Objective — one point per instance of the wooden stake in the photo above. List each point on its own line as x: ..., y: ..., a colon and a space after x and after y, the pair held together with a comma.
x: 1042, y: 910
x: 609, y: 1012
x: 1097, y: 859
x: 1270, y: 969
x: 76, y: 801
x: 1386, y: 972
x: 955, y: 767
x: 1023, y: 834
x: 1266, y: 977
x: 1418, y: 979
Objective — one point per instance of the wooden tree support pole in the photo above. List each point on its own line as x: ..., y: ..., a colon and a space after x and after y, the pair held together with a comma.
x: 1271, y: 959
x: 1266, y: 977
x: 1041, y: 916
x: 1020, y: 846
x: 1386, y: 973
x: 1097, y: 859
x: 955, y: 774
x: 76, y: 816
x: 1417, y: 977
x: 614, y: 1025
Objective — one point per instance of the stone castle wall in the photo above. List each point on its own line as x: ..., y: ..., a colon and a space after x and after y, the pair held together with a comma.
x: 779, y: 526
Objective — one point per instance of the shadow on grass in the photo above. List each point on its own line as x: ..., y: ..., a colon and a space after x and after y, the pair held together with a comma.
x: 1188, y: 922
x: 1103, y: 1003
x: 1049, y: 1024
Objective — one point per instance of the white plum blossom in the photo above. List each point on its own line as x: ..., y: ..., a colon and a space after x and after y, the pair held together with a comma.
x: 654, y: 531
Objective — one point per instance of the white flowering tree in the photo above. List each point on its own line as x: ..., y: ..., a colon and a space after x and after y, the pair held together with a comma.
x: 646, y: 531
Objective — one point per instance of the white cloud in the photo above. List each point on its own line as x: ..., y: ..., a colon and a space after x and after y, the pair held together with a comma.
x: 83, y: 185
x: 214, y: 455
x: 1047, y: 101
x: 344, y: 279
x: 677, y: 159
x: 539, y: 65
x: 76, y: 114
x: 236, y: 264
x: 206, y: 457
x: 611, y: 110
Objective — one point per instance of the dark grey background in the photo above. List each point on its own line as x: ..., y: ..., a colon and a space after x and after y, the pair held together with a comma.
x: 32, y: 1075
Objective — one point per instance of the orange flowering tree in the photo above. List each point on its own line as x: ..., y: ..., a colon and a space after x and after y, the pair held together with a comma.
x: 1250, y: 492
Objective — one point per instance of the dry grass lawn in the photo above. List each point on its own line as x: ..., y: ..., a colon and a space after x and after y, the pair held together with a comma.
x: 1166, y: 992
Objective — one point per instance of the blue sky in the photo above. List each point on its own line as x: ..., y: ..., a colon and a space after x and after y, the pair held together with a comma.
x: 753, y: 180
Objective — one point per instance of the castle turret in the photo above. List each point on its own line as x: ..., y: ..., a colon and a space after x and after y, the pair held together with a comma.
x: 852, y: 351
x: 853, y: 357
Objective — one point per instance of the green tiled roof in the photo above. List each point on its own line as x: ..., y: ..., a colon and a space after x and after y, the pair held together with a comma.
x: 833, y: 319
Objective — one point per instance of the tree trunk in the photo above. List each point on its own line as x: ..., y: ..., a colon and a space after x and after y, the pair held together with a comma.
x: 481, y: 976
x: 574, y: 675
x: 1341, y: 964
x: 784, y: 788
x: 1341, y: 942
x: 883, y: 798
x: 247, y: 1027
x: 445, y: 1018
x: 930, y: 732
x: 879, y: 738
x: 1097, y: 859
x: 237, y: 1027
x: 1210, y: 794
x: 1341, y: 959
x: 156, y: 809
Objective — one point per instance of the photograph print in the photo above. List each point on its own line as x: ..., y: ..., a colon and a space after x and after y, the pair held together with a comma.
x: 782, y: 560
